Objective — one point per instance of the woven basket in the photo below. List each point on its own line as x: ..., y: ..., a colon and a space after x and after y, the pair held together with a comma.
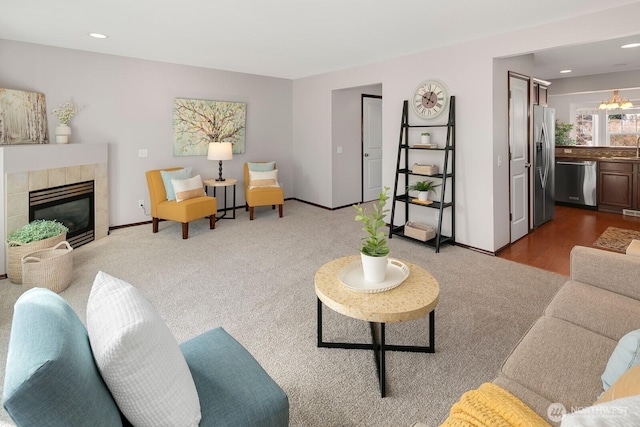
x: 48, y: 268
x: 16, y: 251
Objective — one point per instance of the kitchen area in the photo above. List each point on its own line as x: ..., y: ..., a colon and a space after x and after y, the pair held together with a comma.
x: 602, y: 178
x: 595, y: 160
x: 594, y: 92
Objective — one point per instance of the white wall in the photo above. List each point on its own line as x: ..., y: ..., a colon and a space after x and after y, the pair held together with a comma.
x: 468, y: 71
x: 129, y: 105
x: 346, y: 129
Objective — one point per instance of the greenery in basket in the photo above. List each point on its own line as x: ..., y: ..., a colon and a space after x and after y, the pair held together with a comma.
x: 374, y: 242
x: 39, y: 229
x: 423, y: 186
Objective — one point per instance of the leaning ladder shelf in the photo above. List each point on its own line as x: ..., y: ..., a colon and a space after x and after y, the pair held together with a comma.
x: 447, y: 177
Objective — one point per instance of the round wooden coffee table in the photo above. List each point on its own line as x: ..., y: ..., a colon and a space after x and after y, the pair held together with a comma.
x: 416, y: 297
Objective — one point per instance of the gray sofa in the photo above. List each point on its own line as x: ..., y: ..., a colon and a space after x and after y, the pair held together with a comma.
x: 563, y: 355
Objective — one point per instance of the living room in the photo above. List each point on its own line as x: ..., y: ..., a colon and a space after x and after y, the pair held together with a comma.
x: 289, y: 120
x: 128, y: 105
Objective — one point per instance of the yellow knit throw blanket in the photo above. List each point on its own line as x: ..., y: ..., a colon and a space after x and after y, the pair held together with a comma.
x: 491, y: 406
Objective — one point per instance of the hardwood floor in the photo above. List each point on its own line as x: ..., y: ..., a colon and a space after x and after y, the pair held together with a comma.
x: 548, y: 246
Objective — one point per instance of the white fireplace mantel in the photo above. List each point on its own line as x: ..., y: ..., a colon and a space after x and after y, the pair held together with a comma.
x: 31, y: 167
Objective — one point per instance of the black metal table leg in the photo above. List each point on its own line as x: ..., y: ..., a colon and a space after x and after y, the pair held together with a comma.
x: 383, y: 386
x: 379, y: 347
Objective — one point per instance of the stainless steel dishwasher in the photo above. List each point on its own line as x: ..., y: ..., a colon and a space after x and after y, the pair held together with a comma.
x: 576, y: 182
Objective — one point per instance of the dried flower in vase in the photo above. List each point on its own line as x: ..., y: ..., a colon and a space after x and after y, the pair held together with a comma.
x: 66, y: 111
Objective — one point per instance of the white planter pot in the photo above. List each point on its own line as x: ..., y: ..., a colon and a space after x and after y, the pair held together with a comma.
x: 423, y: 196
x: 374, y: 267
x: 425, y: 139
x: 63, y: 134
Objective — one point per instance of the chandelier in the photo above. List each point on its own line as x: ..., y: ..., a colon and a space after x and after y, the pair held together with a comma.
x: 615, y: 102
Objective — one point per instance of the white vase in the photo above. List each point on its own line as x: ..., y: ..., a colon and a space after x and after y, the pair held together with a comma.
x: 63, y: 134
x: 374, y: 267
x: 423, y: 196
x: 425, y: 139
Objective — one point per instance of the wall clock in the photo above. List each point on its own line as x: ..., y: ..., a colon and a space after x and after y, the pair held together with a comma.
x: 430, y: 99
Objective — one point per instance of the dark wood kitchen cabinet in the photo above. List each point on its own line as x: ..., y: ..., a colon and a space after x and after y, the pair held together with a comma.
x: 617, y: 186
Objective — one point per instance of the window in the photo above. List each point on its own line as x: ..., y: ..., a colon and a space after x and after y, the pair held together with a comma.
x: 586, y: 127
x: 623, y: 129
x: 618, y: 129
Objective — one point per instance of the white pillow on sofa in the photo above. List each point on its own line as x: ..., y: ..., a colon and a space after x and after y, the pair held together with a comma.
x: 625, y: 356
x: 138, y: 357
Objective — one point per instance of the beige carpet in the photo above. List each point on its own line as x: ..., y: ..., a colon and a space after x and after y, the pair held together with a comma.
x: 255, y: 278
x: 616, y: 239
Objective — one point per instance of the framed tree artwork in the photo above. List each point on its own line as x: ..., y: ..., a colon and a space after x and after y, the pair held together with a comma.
x: 197, y: 122
x: 23, y: 117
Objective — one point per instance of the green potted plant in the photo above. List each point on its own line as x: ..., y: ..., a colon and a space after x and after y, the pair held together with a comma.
x: 423, y: 188
x: 425, y: 138
x: 374, y: 250
x: 37, y: 235
x: 563, y: 131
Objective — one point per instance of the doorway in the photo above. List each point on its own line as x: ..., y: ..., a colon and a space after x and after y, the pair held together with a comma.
x: 371, y: 147
x: 347, y: 157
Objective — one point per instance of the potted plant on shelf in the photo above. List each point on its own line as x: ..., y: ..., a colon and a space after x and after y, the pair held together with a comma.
x: 425, y: 138
x: 37, y: 235
x: 423, y: 188
x: 374, y: 250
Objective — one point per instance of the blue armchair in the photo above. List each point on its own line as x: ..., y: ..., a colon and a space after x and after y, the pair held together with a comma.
x: 51, y: 377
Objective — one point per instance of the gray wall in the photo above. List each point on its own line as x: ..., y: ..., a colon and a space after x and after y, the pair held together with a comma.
x: 129, y: 105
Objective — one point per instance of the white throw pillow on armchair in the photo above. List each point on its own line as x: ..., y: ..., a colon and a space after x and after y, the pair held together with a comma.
x: 138, y: 357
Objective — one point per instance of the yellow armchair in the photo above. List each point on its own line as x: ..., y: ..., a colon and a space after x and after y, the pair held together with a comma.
x: 184, y: 211
x: 263, y: 196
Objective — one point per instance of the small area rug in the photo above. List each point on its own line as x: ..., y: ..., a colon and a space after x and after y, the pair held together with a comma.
x: 616, y: 239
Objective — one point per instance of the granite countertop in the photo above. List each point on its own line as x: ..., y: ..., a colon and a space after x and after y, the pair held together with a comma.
x: 597, y: 154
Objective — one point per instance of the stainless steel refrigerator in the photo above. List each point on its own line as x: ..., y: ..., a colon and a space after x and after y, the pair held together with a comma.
x: 544, y: 143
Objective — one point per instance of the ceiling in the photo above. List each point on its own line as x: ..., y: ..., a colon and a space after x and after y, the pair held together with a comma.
x: 285, y: 38
x: 601, y: 57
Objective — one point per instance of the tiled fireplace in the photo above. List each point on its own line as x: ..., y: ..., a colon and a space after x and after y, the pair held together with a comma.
x: 29, y: 169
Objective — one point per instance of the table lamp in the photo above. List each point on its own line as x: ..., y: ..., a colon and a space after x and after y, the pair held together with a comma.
x: 220, y: 151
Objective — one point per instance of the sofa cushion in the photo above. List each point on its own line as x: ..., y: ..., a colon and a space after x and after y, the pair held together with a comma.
x: 50, y: 376
x: 605, y: 269
x: 624, y: 356
x: 596, y: 309
x: 537, y: 403
x: 138, y: 357
x: 234, y: 390
x: 560, y: 361
x: 167, y: 176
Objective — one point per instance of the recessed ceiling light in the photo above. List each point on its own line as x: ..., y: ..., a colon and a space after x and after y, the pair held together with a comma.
x: 565, y: 71
x: 630, y: 45
x: 98, y: 35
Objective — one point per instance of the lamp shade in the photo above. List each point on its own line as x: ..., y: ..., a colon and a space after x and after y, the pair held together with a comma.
x: 220, y: 151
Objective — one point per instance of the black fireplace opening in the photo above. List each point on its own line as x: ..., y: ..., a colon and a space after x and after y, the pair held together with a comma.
x: 72, y: 205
